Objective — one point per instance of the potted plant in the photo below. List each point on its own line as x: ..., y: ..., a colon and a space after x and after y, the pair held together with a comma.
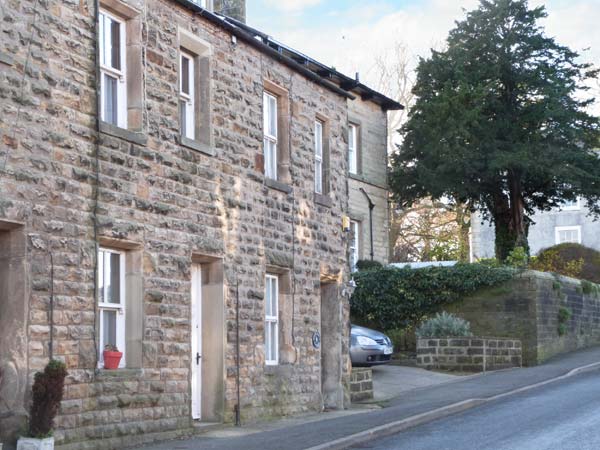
x: 112, y: 357
x: 47, y: 392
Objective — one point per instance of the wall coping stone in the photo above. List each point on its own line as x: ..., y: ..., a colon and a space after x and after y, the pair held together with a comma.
x: 131, y: 136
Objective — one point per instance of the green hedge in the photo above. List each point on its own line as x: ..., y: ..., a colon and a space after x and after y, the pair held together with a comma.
x: 390, y: 298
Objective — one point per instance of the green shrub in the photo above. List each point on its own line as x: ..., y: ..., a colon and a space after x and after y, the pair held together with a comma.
x: 47, y: 390
x: 403, y: 339
x: 571, y: 260
x: 390, y: 298
x: 444, y: 325
x: 489, y: 262
x: 517, y: 258
x: 588, y: 288
x: 367, y: 264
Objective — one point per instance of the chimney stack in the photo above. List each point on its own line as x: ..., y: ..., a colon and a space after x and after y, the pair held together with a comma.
x: 235, y: 9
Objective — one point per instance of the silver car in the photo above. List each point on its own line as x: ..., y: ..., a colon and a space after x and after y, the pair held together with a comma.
x: 369, y: 347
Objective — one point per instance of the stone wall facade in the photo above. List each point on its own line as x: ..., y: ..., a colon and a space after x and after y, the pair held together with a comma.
x: 68, y: 187
x: 527, y: 308
x: 468, y: 354
x: 372, y: 177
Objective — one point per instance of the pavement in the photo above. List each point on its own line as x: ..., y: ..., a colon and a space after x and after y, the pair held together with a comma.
x: 390, y: 381
x: 558, y: 416
x: 409, y: 409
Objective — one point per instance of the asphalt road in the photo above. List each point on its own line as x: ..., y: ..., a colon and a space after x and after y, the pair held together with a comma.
x: 560, y: 416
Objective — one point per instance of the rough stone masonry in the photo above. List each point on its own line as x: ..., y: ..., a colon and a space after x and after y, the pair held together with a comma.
x: 69, y: 186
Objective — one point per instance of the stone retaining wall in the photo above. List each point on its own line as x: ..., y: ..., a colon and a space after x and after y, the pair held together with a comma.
x: 527, y: 308
x: 468, y: 354
x: 361, y: 384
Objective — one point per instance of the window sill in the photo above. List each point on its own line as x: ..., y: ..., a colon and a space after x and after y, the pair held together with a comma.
x: 118, y: 374
x: 196, y: 145
x: 5, y: 58
x: 278, y: 370
x: 323, y: 200
x: 278, y: 185
x: 131, y: 136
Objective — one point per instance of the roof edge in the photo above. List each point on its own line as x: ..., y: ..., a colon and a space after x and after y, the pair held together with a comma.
x: 259, y: 45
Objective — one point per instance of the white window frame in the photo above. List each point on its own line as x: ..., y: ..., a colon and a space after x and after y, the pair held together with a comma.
x: 270, y: 152
x: 558, y: 230
x: 188, y: 98
x: 353, y: 149
x: 107, y: 70
x: 319, y: 157
x: 571, y: 207
x: 271, y: 319
x: 354, y: 244
x: 103, y: 305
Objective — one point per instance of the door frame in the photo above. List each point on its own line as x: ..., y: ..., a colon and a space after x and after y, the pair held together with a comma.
x: 196, y: 344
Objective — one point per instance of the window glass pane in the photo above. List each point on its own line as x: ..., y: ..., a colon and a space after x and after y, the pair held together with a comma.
x: 183, y: 117
x: 273, y: 116
x: 274, y: 295
x: 272, y: 341
x: 352, y: 159
x: 110, y: 99
x: 270, y: 159
x: 109, y: 327
x: 112, y: 278
x: 318, y: 139
x: 101, y: 287
x: 318, y: 177
x: 115, y: 41
x: 267, y: 296
x: 270, y: 115
x: 185, y: 75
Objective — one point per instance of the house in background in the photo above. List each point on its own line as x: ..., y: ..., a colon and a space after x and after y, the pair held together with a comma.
x: 192, y: 217
x: 367, y: 182
x: 571, y: 223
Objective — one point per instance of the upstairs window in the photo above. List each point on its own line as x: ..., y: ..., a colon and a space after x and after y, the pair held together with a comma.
x: 270, y: 134
x: 319, y: 157
x: 353, y: 149
x: 272, y: 320
x: 111, y: 301
x: 187, y: 95
x: 113, y: 80
x: 571, y: 205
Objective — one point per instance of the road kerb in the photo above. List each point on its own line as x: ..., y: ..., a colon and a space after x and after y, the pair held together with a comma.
x: 439, y: 413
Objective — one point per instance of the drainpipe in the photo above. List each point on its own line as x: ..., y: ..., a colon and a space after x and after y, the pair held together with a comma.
x: 97, y: 175
x: 371, y: 207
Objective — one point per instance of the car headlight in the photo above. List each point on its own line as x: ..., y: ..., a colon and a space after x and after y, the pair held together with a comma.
x: 364, y: 340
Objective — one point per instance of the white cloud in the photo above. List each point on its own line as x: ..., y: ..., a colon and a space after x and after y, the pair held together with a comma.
x: 292, y: 5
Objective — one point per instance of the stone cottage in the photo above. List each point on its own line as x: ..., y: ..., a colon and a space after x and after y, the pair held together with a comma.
x: 175, y: 184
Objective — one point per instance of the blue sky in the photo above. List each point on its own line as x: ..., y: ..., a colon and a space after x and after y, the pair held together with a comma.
x: 351, y: 34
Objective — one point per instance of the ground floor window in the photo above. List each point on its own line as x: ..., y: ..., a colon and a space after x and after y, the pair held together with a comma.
x: 568, y: 235
x: 354, y: 244
x: 272, y: 320
x: 111, y: 301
